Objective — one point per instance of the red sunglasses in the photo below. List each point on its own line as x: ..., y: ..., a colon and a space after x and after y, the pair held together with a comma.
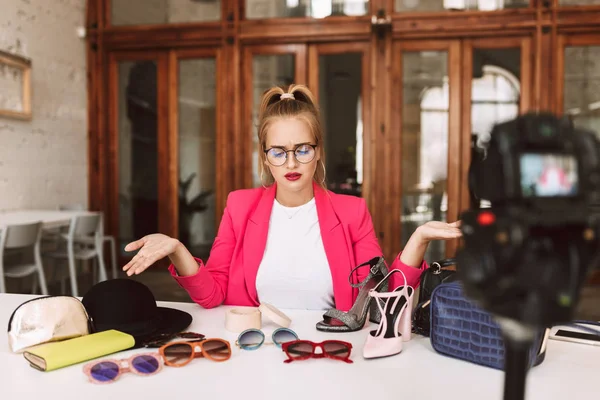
x: 305, y: 349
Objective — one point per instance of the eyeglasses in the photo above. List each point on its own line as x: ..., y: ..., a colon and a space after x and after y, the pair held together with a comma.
x: 252, y: 339
x: 305, y: 349
x: 109, y: 370
x: 304, y: 153
x: 162, y: 339
x: 178, y: 354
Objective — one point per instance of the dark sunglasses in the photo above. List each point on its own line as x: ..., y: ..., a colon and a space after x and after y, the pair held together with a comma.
x: 252, y: 339
x: 305, y: 349
x: 178, y: 354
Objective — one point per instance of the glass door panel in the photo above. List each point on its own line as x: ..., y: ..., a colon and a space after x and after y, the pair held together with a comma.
x: 578, y: 89
x: 197, y: 133
x: 340, y: 94
x: 137, y: 144
x: 578, y: 2
x: 424, y: 142
x: 261, y: 9
x: 581, y: 83
x: 496, y: 89
x: 457, y: 5
x: 145, y: 12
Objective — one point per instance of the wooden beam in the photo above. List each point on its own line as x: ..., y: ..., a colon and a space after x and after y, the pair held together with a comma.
x: 165, y: 36
x: 468, y: 23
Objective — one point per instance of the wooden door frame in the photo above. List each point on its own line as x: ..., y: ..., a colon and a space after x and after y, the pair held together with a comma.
x: 243, y: 167
x: 113, y: 167
x: 363, y: 47
x: 394, y: 146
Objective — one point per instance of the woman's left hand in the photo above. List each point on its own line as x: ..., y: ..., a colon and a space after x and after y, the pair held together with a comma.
x: 437, y: 230
x: 415, y: 249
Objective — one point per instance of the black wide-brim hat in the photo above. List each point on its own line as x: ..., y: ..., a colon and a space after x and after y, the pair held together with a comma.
x: 129, y: 306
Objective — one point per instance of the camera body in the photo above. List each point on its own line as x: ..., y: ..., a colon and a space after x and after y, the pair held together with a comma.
x: 525, y: 258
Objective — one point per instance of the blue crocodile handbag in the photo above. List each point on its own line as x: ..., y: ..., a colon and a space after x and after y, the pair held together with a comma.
x: 462, y: 330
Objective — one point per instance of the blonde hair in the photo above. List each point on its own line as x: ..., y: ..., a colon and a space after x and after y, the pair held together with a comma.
x: 297, y: 102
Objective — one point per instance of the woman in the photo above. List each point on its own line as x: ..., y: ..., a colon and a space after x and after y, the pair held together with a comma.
x: 290, y: 243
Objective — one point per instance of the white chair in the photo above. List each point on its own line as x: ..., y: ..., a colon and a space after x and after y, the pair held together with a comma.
x: 20, y: 240
x: 82, y: 242
x: 105, y: 238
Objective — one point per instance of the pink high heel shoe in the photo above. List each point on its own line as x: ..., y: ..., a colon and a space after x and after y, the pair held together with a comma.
x: 395, y: 325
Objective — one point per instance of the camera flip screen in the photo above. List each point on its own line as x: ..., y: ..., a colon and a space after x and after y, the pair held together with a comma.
x: 548, y: 175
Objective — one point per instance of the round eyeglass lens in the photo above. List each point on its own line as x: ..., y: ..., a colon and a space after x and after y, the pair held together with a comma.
x: 305, y: 154
x: 281, y: 336
x: 251, y: 339
x: 145, y: 364
x: 276, y: 156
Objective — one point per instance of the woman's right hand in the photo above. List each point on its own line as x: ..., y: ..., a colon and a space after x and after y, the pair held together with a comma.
x: 152, y: 248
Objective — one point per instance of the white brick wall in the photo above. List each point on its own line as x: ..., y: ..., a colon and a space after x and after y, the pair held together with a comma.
x: 43, y: 162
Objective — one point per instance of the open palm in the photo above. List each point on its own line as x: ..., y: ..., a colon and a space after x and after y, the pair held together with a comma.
x: 437, y: 230
x: 151, y: 249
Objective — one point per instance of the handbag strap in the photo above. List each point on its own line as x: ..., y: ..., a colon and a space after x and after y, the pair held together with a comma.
x: 448, y: 264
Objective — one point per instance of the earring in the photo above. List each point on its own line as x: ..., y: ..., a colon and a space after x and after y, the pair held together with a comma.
x: 262, y: 182
x: 324, y: 173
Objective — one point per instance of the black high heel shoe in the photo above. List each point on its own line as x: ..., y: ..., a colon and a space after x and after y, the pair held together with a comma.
x: 353, y: 320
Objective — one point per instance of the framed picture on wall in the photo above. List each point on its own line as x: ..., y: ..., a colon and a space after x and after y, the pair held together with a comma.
x: 15, y: 86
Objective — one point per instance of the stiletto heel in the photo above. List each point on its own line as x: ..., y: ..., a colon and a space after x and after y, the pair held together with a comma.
x: 338, y: 321
x: 395, y: 325
x: 374, y: 313
x: 406, y: 319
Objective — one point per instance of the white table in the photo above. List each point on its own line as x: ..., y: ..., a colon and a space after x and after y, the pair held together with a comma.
x: 50, y: 218
x: 570, y: 371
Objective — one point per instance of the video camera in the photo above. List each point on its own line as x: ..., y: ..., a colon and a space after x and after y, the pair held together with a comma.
x: 526, y: 257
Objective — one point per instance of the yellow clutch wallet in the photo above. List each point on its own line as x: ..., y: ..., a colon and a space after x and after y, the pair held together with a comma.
x: 51, y: 356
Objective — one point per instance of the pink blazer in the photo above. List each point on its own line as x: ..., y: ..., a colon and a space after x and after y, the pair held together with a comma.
x: 229, y: 275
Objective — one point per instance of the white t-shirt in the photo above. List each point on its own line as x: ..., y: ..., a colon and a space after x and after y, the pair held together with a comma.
x: 294, y: 272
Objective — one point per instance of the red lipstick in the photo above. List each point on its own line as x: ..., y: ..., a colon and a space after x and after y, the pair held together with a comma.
x: 292, y: 176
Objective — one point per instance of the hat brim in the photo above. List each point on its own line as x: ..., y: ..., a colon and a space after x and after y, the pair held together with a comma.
x: 172, y: 320
x: 167, y: 321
